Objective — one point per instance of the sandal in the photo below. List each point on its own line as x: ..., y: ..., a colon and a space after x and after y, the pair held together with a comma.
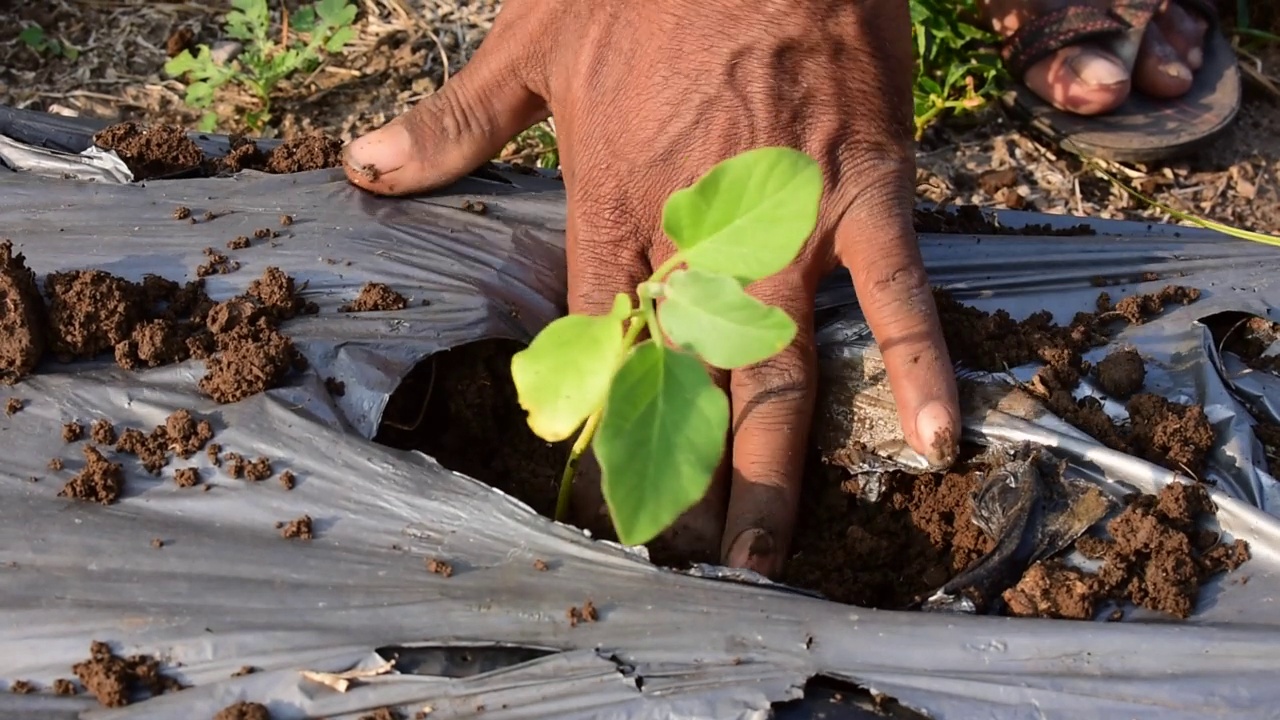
x: 1142, y: 129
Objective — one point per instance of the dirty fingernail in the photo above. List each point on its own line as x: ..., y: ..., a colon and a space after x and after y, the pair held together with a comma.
x: 1094, y: 69
x: 936, y: 427
x: 1195, y: 58
x: 1177, y: 70
x: 381, y: 151
x: 753, y: 549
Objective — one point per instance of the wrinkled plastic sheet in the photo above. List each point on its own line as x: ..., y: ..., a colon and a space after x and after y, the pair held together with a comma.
x: 226, y: 591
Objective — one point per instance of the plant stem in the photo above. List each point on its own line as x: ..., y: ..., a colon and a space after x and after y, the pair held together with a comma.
x: 588, y: 433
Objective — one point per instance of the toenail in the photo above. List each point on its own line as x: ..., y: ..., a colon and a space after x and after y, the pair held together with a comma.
x: 1096, y: 70
x: 1176, y: 69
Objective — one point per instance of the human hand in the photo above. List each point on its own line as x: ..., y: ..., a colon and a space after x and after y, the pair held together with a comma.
x: 649, y: 96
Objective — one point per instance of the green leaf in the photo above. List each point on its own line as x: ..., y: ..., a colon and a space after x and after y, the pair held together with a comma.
x: 303, y: 19
x: 749, y: 216
x: 336, y: 13
x: 208, y: 122
x: 180, y: 64
x: 70, y: 52
x: 339, y: 39
x: 564, y: 374
x: 660, y: 440
x: 33, y: 36
x: 715, y: 318
x: 200, y: 94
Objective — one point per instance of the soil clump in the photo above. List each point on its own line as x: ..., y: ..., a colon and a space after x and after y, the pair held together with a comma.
x: 116, y: 681
x: 157, y: 151
x: 299, y: 529
x: 1176, y: 436
x: 1122, y: 373
x: 23, y: 331
x: 375, y: 297
x: 244, y: 711
x: 1155, y: 557
x: 12, y: 407
x: 101, y: 480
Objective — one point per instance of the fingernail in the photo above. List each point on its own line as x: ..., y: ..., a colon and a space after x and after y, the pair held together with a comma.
x: 381, y: 151
x: 1096, y: 70
x: 1195, y: 58
x: 1177, y: 70
x: 937, y: 428
x: 753, y: 549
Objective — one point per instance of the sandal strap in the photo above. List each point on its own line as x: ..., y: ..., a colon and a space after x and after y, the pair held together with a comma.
x: 1072, y: 25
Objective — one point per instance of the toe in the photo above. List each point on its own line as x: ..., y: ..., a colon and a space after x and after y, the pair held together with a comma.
x: 1185, y: 33
x: 1080, y: 79
x: 1160, y: 70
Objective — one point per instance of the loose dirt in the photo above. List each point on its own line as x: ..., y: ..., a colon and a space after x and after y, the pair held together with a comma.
x: 117, y: 681
x: 100, y: 481
x: 1155, y: 557
x: 585, y: 614
x: 299, y: 529
x: 376, y: 297
x: 244, y: 711
x: 23, y: 332
x: 1122, y: 373
x: 22, y: 687
x: 72, y: 432
x: 157, y: 151
x: 439, y: 567
x: 90, y: 311
x: 13, y: 406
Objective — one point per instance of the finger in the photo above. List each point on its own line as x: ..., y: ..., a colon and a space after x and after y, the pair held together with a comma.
x: 772, y: 407
x: 452, y: 132
x: 876, y: 241
x: 1185, y: 33
x: 1160, y: 71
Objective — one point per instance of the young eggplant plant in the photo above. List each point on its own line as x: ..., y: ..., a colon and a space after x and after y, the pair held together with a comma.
x: 657, y: 420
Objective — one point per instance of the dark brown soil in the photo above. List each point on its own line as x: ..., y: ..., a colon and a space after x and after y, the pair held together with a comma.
x: 336, y: 387
x: 299, y: 529
x: 288, y: 480
x: 103, y: 432
x: 244, y: 711
x: 157, y: 151
x: 187, y: 477
x: 1175, y: 436
x: 22, y: 687
x: 151, y: 151
x: 117, y: 681
x: 63, y: 686
x: 376, y: 297
x: 100, y: 481
x: 12, y: 407
x: 884, y: 554
x: 216, y: 263
x: 90, y: 311
x: 180, y: 435
x: 970, y: 220
x: 239, y: 243
x: 1155, y: 557
x: 1122, y: 373
x: 1250, y: 337
x: 23, y: 332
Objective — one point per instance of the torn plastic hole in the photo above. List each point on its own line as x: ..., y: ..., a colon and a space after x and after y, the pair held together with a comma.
x: 459, y: 661
x: 829, y: 698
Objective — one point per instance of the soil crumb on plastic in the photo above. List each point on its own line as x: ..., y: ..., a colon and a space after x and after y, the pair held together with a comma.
x: 186, y: 477
x: 22, y: 687
x: 541, y: 565
x: 288, y: 480
x: 1175, y: 436
x: 336, y: 387
x: 101, y: 480
x: 586, y: 613
x: 12, y: 407
x: 72, y: 432
x: 286, y: 220
x: 375, y: 297
x: 439, y: 567
x: 1155, y: 557
x: 244, y: 670
x: 90, y: 311
x: 1122, y: 373
x: 116, y: 681
x: 258, y: 469
x: 55, y: 464
x: 65, y: 687
x: 102, y: 432
x: 384, y: 713
x: 244, y: 711
x: 252, y: 358
x: 299, y: 529
x: 238, y: 243
x: 151, y: 151
x: 157, y: 543
x: 23, y: 333
x: 182, y: 212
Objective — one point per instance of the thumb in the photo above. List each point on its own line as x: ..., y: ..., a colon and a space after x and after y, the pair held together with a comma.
x: 450, y: 133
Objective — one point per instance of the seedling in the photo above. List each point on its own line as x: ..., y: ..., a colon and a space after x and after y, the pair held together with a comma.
x: 656, y: 420
x: 264, y: 62
x: 34, y: 37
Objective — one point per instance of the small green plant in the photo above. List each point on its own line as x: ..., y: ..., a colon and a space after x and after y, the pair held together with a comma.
x: 953, y: 73
x: 327, y: 26
x: 658, y: 421
x: 34, y: 37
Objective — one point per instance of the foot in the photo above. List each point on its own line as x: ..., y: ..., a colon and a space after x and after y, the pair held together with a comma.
x: 1087, y: 79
